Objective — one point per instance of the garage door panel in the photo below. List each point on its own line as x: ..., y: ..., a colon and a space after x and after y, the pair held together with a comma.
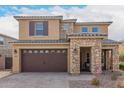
x: 44, y: 61
x: 30, y: 63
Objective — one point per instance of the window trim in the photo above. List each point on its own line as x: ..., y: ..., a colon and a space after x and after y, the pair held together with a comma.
x: 95, y: 28
x: 35, y: 31
x: 82, y: 29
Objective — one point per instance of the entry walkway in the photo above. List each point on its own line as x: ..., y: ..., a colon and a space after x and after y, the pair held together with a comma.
x: 4, y: 73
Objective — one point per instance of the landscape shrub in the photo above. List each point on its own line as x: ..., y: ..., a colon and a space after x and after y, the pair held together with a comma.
x: 95, y: 81
x: 121, y: 66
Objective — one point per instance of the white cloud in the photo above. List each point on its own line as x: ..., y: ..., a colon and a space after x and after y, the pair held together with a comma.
x: 89, y: 13
x: 9, y: 26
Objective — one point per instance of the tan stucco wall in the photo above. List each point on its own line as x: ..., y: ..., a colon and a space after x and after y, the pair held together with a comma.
x: 53, y: 30
x: 16, y: 68
x: 102, y: 28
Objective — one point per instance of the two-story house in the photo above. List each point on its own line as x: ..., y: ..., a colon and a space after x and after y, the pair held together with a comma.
x: 52, y: 44
x: 6, y: 52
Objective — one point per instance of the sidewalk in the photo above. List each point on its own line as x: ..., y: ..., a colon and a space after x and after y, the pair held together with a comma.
x: 5, y: 73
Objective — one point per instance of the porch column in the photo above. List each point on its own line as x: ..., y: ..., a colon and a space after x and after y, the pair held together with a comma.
x: 74, y: 57
x: 96, y: 64
x: 115, y: 58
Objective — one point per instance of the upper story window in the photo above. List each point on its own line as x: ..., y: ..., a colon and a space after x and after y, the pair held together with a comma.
x: 39, y: 28
x: 84, y: 29
x: 94, y: 29
x: 65, y: 27
x: 1, y: 40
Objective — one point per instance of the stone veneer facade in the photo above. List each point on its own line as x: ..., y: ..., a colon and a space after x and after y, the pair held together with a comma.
x: 76, y: 44
x: 115, y: 58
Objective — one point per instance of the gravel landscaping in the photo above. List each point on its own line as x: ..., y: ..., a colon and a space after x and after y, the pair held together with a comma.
x: 105, y: 82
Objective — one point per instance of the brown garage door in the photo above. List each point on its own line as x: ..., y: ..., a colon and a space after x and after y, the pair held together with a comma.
x: 34, y: 60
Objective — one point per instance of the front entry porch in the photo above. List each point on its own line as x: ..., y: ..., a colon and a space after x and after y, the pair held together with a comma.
x: 85, y: 59
x: 107, y: 59
x: 91, y: 55
x: 85, y: 56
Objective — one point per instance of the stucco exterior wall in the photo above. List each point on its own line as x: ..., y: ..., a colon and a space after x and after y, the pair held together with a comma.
x: 53, y: 30
x: 102, y: 28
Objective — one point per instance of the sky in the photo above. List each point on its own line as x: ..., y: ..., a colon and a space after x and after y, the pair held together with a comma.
x: 83, y: 13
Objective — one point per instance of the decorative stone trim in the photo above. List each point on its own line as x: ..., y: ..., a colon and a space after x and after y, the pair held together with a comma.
x: 115, y: 54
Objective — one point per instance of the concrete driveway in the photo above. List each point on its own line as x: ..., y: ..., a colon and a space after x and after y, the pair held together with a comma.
x: 42, y: 80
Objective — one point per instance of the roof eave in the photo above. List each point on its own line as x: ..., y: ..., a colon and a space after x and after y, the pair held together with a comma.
x: 38, y: 17
x: 94, y: 23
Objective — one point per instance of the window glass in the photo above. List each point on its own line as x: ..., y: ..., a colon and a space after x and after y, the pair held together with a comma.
x: 66, y: 27
x: 1, y: 40
x: 94, y: 29
x: 84, y: 29
x: 39, y: 28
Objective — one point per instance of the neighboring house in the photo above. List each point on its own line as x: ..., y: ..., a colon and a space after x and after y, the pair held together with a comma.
x: 51, y: 44
x: 5, y: 52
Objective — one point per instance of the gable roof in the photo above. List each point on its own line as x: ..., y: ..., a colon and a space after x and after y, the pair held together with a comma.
x: 8, y: 36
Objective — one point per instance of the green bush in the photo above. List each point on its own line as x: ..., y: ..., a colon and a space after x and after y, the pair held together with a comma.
x: 121, y: 66
x: 95, y: 82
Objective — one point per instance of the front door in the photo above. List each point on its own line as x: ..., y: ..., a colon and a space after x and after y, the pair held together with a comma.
x: 85, y: 60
